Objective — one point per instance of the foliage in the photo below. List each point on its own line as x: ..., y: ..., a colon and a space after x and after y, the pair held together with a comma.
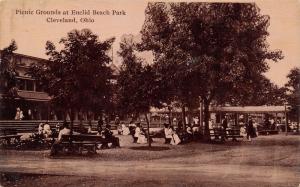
x: 293, y: 92
x: 8, y: 67
x: 78, y: 76
x: 219, y: 48
x: 260, y: 91
x: 8, y: 81
x: 136, y: 82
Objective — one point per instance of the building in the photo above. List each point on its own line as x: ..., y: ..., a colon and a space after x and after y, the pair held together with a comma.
x: 29, y: 95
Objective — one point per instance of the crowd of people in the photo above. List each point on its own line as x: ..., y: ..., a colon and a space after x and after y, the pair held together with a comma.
x: 172, y: 135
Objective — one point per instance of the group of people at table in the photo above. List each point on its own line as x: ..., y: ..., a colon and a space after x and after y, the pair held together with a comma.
x: 45, y: 131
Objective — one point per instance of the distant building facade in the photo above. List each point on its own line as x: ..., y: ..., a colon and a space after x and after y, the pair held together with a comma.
x: 29, y: 94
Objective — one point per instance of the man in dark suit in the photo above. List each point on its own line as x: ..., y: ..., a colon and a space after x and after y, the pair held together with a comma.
x: 224, y: 127
x: 110, y: 138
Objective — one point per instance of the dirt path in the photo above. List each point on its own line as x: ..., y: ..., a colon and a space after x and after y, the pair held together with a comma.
x: 267, y: 162
x: 154, y: 170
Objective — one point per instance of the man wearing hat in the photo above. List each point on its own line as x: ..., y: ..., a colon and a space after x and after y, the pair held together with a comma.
x: 110, y: 138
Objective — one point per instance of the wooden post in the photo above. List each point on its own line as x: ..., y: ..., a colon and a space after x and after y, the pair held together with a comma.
x: 286, y: 120
x: 201, y: 115
x: 148, y: 129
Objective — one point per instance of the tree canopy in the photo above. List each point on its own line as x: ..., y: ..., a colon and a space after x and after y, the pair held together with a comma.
x: 293, y: 92
x: 219, y: 48
x: 137, y: 84
x: 78, y: 75
x: 8, y: 66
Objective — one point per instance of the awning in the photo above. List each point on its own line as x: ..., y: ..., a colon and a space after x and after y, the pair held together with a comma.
x: 249, y: 109
x: 33, y: 96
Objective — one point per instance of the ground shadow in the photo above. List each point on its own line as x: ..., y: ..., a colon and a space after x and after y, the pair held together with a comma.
x: 153, y: 148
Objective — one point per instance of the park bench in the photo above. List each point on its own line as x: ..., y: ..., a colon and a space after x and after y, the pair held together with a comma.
x: 9, y: 136
x: 77, y: 144
x: 233, y: 134
x: 219, y: 134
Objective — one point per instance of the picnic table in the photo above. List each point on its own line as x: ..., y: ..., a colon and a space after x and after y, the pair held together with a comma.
x: 78, y: 144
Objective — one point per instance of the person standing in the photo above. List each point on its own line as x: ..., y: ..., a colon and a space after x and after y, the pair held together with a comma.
x: 168, y: 134
x: 250, y: 129
x: 224, y: 127
x: 19, y: 114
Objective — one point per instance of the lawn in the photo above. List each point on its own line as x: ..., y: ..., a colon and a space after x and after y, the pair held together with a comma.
x: 266, y: 161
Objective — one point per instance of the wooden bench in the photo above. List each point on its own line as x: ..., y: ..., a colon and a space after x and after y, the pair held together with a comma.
x: 233, y: 133
x: 220, y: 134
x: 77, y: 144
x: 9, y: 136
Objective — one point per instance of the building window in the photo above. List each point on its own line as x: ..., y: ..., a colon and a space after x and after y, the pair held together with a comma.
x: 21, y: 84
x: 39, y: 87
x: 30, y: 85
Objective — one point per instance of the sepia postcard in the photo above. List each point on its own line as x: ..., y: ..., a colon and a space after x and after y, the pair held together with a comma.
x: 150, y: 93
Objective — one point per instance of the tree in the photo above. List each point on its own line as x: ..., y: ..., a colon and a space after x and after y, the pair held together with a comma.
x: 8, y: 79
x: 260, y: 91
x: 293, y: 93
x: 78, y: 76
x: 222, y: 45
x: 137, y: 88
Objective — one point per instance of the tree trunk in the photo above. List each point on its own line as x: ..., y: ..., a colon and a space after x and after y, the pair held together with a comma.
x: 72, y: 120
x: 100, y: 122
x: 206, y: 120
x: 170, y: 122
x: 298, y: 118
x: 183, y: 116
x: 148, y: 129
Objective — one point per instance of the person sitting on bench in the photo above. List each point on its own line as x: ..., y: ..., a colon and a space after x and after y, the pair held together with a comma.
x: 175, y: 138
x: 64, y: 131
x: 109, y: 137
x: 140, y: 134
x: 189, y: 133
x: 47, y: 130
x: 168, y: 133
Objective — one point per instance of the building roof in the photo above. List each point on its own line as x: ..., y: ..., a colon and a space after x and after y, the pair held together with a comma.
x: 31, y: 57
x: 248, y: 109
x: 231, y: 109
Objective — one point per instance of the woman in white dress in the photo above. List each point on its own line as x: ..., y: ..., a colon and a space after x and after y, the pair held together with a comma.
x: 140, y: 135
x: 175, y: 138
x: 125, y: 130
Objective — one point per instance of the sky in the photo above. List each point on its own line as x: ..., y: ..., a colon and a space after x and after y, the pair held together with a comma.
x: 32, y: 31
